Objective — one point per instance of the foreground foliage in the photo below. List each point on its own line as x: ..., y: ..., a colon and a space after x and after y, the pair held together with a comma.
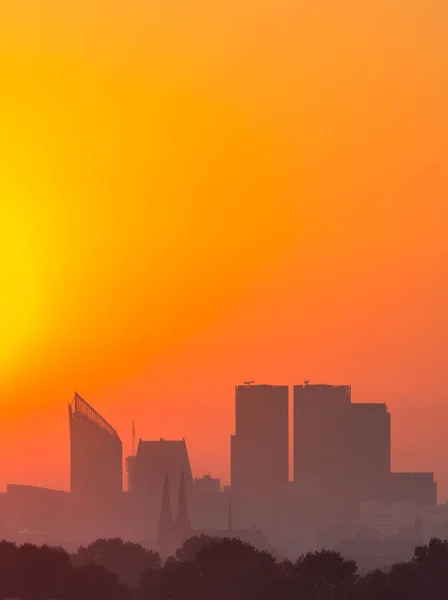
x: 212, y: 569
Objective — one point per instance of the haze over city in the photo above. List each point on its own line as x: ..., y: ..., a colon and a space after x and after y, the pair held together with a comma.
x: 196, y: 195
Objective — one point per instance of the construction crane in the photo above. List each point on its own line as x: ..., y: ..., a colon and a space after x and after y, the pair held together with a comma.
x: 249, y: 383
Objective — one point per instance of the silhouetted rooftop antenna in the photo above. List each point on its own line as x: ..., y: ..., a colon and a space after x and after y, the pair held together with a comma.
x: 249, y: 383
x: 133, y: 438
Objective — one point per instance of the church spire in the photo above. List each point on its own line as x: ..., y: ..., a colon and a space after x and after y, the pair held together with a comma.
x: 182, y: 523
x: 166, y: 513
x: 165, y: 525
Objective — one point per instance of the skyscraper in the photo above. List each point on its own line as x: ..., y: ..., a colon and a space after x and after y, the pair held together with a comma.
x: 334, y: 437
x: 369, y: 437
x: 341, y: 449
x: 259, y: 448
x: 320, y: 429
x: 96, y: 455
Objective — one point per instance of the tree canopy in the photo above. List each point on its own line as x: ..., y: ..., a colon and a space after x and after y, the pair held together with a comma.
x: 212, y: 569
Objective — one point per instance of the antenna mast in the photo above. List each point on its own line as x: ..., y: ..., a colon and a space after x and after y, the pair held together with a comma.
x: 133, y: 438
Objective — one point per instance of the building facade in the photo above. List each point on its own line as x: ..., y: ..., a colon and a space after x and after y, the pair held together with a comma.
x: 341, y: 448
x: 259, y: 448
x: 320, y: 430
x: 153, y: 462
x: 96, y: 455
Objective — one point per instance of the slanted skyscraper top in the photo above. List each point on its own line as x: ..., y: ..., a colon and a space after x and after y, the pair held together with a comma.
x: 96, y: 469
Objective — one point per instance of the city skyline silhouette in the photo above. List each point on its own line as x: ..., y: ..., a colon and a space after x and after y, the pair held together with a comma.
x: 194, y: 198
x: 343, y: 487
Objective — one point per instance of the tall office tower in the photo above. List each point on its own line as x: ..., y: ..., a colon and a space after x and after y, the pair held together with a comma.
x: 259, y: 448
x: 369, y: 437
x: 320, y: 430
x: 333, y: 436
x: 96, y: 455
x: 341, y: 448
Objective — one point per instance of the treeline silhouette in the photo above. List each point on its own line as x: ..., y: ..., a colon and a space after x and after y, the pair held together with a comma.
x: 207, y: 568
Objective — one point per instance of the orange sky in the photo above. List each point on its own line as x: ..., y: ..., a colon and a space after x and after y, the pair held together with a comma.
x: 193, y: 194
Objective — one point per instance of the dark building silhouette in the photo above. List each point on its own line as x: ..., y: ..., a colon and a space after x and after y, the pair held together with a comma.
x: 171, y: 533
x: 182, y: 524
x: 369, y: 439
x: 206, y: 485
x: 334, y: 436
x: 259, y: 448
x: 419, y: 488
x: 259, y: 456
x: 208, y: 503
x: 322, y: 424
x: 165, y: 526
x: 340, y: 446
x: 130, y: 468
x: 342, y: 458
x: 42, y: 514
x: 155, y: 459
x: 96, y: 455
x: 146, y: 474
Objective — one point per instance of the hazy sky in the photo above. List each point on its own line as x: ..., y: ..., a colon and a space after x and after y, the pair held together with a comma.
x: 193, y: 194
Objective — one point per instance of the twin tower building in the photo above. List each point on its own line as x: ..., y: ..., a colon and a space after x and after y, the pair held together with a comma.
x: 332, y: 437
x: 341, y: 451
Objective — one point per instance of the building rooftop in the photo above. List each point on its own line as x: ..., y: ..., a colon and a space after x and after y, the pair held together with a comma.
x: 79, y: 405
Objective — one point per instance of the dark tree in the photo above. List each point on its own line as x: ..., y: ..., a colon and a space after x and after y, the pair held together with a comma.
x: 436, y: 552
x: 42, y: 572
x: 432, y: 565
x: 373, y: 586
x: 127, y: 560
x: 176, y: 581
x: 325, y: 575
x: 190, y: 548
x: 94, y: 582
x: 405, y: 581
x: 8, y: 570
x: 233, y: 569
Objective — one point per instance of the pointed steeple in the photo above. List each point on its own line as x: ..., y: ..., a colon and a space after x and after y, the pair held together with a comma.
x: 230, y: 519
x: 165, y: 525
x: 166, y: 513
x: 182, y: 523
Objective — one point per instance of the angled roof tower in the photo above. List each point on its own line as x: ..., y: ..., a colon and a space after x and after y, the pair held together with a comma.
x: 96, y: 454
